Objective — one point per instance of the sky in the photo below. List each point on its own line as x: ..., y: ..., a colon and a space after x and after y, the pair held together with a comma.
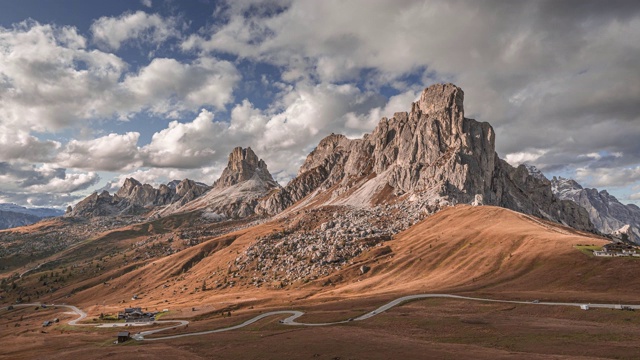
x: 93, y: 92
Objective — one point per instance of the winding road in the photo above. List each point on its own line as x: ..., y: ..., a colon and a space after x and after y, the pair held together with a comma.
x: 294, y: 314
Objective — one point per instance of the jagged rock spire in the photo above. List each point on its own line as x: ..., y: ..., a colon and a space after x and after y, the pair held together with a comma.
x: 243, y: 165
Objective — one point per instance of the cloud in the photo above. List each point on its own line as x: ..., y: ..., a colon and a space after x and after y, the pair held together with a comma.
x: 39, y: 199
x: 24, y: 178
x: 167, y: 86
x: 111, y: 33
x: 69, y: 184
x: 49, y: 81
x: 553, y: 76
x: 146, y: 3
x: 282, y: 134
x: 185, y: 145
x: 603, y: 177
x: 112, y: 152
x: 524, y: 157
x: 19, y: 145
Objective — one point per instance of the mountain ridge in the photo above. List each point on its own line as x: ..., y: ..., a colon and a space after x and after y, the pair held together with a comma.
x: 433, y: 153
x: 13, y: 215
x: 605, y: 211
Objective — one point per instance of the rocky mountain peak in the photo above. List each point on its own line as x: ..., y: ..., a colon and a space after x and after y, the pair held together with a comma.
x: 129, y: 186
x: 442, y: 97
x: 607, y: 214
x: 135, y: 198
x: 243, y: 165
x: 535, y: 172
x: 431, y: 153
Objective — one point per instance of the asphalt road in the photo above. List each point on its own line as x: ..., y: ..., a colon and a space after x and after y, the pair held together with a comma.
x: 294, y: 314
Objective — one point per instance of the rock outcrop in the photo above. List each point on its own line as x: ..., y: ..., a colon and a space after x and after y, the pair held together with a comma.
x: 431, y: 154
x: 606, y: 213
x: 243, y: 165
x: 243, y: 183
x: 134, y: 198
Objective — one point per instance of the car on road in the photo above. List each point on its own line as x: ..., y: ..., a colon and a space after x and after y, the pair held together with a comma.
x: 536, y: 301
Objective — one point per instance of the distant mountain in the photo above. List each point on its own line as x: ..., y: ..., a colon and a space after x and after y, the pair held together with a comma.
x: 12, y: 215
x: 243, y: 183
x: 134, y: 198
x: 608, y: 214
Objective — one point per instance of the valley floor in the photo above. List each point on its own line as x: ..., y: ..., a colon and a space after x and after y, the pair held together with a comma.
x: 484, y: 252
x: 431, y: 328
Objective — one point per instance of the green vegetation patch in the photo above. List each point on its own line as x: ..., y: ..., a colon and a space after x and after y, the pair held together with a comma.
x: 588, y: 249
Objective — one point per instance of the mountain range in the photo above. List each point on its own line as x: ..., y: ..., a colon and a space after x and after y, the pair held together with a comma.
x: 426, y: 159
x: 606, y: 213
x: 12, y: 215
x: 431, y: 156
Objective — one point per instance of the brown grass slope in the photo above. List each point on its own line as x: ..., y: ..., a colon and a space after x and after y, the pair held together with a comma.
x: 497, y: 252
x: 486, y: 251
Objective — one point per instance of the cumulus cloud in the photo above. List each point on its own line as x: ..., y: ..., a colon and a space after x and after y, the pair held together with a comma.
x: 552, y: 76
x: 282, y: 134
x: 184, y: 145
x: 604, y: 177
x: 111, y: 32
x: 19, y: 145
x: 68, y: 184
x: 24, y: 178
x: 167, y: 86
x: 112, y: 152
x: 39, y: 199
x: 50, y: 81
x: 557, y: 80
x: 524, y: 157
x: 146, y: 3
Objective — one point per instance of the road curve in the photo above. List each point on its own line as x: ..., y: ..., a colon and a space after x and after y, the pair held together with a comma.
x: 294, y: 314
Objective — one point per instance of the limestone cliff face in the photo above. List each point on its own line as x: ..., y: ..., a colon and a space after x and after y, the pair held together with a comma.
x: 433, y: 153
x: 243, y: 165
x: 134, y: 198
x: 236, y: 193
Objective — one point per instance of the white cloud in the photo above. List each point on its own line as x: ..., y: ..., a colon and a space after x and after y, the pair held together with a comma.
x: 167, y: 86
x: 185, y: 145
x: 525, y: 157
x: 19, y: 145
x: 547, y: 75
x: 29, y: 179
x: 69, y: 184
x: 146, y: 3
x: 112, y: 152
x: 283, y: 134
x: 49, y: 81
x: 112, y: 32
x: 603, y: 177
x: 593, y: 155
